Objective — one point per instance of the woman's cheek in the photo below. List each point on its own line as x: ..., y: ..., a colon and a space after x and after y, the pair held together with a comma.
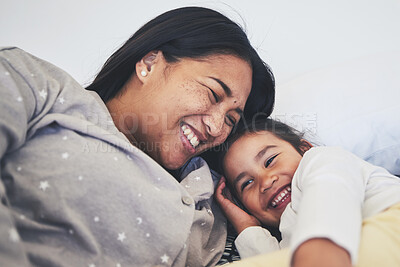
x: 226, y: 131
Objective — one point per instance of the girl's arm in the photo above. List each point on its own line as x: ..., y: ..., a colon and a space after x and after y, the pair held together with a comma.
x: 327, y: 194
x: 320, y: 252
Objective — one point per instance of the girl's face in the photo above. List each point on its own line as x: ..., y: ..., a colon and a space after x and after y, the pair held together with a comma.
x: 260, y: 168
x: 184, y: 108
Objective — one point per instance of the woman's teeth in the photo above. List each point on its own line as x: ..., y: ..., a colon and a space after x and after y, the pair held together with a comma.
x: 191, y: 137
x: 282, y: 196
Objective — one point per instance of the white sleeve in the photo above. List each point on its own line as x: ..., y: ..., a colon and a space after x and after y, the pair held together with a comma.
x: 332, y: 188
x: 255, y: 240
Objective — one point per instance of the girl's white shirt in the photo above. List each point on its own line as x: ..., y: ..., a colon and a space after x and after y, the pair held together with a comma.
x: 333, y: 191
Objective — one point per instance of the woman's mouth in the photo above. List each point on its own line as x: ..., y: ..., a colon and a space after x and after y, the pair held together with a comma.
x: 190, y: 139
x: 282, y: 197
x: 190, y: 135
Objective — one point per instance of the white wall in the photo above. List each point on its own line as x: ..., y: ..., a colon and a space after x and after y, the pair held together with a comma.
x: 336, y: 62
x: 293, y: 37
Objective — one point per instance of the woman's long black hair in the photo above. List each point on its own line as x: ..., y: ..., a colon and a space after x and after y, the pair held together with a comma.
x: 189, y: 32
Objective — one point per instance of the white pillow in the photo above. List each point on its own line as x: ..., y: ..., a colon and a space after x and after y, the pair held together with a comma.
x: 354, y: 105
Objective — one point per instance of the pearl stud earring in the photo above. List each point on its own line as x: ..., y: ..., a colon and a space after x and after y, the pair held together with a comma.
x: 143, y: 73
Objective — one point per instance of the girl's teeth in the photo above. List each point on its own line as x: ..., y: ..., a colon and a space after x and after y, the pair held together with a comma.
x: 187, y: 131
x: 190, y: 136
x: 283, y: 195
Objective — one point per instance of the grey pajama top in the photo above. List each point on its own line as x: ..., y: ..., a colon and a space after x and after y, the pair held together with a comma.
x: 75, y: 192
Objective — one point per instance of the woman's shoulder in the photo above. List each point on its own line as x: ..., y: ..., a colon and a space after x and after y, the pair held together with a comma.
x: 32, y: 68
x: 12, y: 51
x: 18, y: 57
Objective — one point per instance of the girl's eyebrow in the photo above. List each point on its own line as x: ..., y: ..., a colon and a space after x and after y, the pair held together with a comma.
x: 257, y: 158
x: 238, y: 178
x: 262, y: 152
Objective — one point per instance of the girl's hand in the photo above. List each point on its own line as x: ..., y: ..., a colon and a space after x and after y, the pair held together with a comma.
x: 238, y: 217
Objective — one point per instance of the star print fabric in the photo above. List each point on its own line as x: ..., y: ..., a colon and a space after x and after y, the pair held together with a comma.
x: 75, y: 192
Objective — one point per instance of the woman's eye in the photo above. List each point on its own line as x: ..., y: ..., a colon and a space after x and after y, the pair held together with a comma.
x: 216, y: 97
x: 270, y: 160
x: 231, y: 121
x: 245, y: 184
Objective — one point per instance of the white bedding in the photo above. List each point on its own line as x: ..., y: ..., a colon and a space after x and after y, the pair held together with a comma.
x: 354, y: 105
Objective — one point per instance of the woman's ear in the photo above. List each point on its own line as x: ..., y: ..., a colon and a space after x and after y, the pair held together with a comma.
x: 305, y: 145
x: 146, y: 65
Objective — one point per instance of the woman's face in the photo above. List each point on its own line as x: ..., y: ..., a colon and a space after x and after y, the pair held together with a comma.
x: 184, y: 108
x: 260, y: 168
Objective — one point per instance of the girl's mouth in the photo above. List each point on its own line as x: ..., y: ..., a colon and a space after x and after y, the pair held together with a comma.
x: 281, y: 197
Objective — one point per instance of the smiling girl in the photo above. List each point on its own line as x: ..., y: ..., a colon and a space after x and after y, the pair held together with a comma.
x: 331, y: 207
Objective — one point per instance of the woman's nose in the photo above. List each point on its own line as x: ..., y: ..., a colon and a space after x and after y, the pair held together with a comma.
x: 214, y: 123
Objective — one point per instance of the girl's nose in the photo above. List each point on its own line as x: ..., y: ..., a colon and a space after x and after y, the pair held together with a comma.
x: 267, y: 181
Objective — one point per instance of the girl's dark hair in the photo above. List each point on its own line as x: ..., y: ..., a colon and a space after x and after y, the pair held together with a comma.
x: 189, y: 32
x: 261, y: 122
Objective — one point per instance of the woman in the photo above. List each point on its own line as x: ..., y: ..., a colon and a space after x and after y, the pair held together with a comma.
x: 84, y: 178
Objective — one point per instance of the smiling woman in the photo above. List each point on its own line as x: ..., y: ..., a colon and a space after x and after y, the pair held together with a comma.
x: 88, y: 171
x: 209, y: 97
x: 168, y: 62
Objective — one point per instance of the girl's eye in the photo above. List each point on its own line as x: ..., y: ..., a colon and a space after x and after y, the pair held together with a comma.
x: 245, y: 184
x: 270, y: 160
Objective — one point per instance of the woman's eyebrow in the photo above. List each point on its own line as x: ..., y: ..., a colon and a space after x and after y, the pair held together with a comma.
x: 227, y: 90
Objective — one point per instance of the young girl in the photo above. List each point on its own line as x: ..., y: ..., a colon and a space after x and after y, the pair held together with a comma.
x: 330, y: 206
